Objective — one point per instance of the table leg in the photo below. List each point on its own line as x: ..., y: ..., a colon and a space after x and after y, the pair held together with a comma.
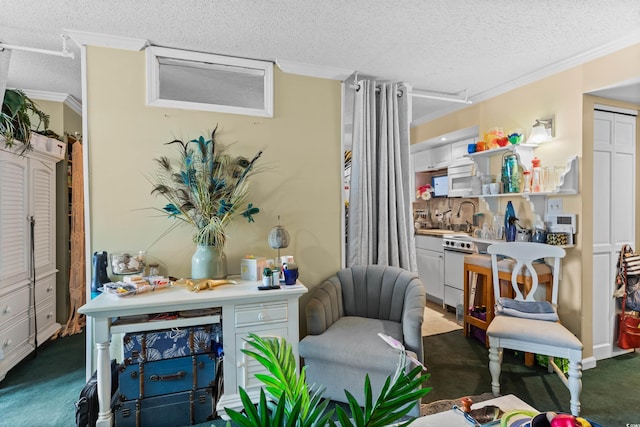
x: 101, y: 328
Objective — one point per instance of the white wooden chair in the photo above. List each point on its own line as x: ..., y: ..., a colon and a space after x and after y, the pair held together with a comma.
x: 545, y: 337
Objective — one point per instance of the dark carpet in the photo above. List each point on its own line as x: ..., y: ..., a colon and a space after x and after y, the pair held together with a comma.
x: 41, y: 391
x: 459, y: 367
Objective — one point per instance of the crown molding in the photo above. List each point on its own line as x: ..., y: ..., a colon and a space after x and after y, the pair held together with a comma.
x: 590, y: 55
x: 310, y: 70
x: 84, y: 38
x: 65, y: 98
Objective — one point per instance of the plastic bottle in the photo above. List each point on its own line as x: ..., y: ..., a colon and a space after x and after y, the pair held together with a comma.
x: 498, y: 227
x: 460, y: 310
x: 536, y: 176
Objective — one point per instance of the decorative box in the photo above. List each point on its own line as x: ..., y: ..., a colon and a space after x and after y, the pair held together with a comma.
x: 171, y: 343
x: 141, y: 380
x: 251, y: 268
x: 176, y: 409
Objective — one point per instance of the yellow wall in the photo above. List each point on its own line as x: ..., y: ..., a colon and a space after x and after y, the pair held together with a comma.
x: 561, y: 96
x: 301, y: 181
x: 72, y: 122
x: 62, y: 118
x: 56, y: 115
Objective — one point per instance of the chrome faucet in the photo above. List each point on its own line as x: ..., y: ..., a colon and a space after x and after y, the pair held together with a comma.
x: 463, y: 203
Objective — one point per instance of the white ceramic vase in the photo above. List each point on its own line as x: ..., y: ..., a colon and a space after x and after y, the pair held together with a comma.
x: 209, y: 262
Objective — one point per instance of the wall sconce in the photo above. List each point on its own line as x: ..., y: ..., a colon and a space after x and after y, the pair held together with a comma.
x: 542, y: 131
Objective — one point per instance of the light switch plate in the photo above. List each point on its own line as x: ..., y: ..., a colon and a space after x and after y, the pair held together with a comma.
x: 554, y: 206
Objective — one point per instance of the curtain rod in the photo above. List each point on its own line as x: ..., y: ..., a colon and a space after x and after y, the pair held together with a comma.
x: 65, y: 53
x: 424, y: 95
x: 443, y: 98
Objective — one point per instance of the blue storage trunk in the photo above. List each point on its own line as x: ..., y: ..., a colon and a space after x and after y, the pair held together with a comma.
x: 142, y: 380
x: 171, y: 410
x: 171, y: 343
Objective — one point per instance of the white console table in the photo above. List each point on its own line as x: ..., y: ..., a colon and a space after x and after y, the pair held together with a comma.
x: 245, y: 310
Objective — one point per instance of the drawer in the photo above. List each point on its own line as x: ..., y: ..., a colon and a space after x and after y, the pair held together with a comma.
x: 45, y: 289
x: 430, y: 243
x: 256, y: 314
x: 46, y: 315
x: 452, y: 296
x: 15, y: 337
x: 13, y: 304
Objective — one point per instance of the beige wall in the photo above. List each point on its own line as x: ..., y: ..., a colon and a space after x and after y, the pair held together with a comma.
x: 301, y: 181
x: 56, y: 115
x: 72, y: 122
x: 561, y: 96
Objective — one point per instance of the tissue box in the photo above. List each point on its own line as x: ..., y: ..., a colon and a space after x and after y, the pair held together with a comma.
x: 251, y: 268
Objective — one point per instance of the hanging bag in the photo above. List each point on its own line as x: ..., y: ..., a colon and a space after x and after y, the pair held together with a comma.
x: 628, y: 329
x: 628, y: 279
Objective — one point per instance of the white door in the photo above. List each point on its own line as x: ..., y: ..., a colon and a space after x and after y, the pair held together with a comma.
x: 613, y: 218
x: 43, y: 207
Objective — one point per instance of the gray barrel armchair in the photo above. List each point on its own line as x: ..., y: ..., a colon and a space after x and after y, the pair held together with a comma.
x: 345, y: 315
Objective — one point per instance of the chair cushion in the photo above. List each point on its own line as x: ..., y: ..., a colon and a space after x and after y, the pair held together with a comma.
x: 354, y: 341
x: 535, y: 331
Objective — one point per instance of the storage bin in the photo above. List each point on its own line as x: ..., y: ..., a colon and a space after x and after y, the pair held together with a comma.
x: 477, y: 333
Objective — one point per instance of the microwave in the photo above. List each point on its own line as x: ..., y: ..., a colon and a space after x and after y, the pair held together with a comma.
x: 440, y: 186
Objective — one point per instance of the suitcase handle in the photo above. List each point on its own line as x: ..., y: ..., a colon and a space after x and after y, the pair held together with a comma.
x: 178, y: 375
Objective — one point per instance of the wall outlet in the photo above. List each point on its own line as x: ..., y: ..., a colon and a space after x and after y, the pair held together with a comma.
x: 554, y: 205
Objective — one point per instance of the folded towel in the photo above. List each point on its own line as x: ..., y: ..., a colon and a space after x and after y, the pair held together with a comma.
x: 540, y: 310
x: 527, y: 306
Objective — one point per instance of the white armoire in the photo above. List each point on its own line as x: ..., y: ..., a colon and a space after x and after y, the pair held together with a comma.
x: 27, y: 249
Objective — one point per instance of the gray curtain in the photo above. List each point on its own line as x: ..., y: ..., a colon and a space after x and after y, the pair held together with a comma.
x: 379, y: 227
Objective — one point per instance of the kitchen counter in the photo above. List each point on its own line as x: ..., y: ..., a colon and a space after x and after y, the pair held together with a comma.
x: 438, y: 232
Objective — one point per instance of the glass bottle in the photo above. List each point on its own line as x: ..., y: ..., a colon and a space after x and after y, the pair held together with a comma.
x: 154, y: 269
x: 527, y: 181
x: 536, y: 176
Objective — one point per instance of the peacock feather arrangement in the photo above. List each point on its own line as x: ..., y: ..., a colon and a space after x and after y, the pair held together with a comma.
x: 205, y: 187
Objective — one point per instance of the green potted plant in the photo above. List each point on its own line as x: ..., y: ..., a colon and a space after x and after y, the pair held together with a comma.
x: 288, y: 401
x: 18, y: 111
x: 206, y: 188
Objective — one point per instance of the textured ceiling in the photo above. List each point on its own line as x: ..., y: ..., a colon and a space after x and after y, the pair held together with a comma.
x: 438, y: 45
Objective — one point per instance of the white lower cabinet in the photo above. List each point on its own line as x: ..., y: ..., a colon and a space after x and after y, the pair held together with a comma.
x: 276, y: 318
x: 430, y: 259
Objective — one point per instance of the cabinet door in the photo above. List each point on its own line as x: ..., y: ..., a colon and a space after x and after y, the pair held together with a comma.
x: 422, y: 161
x: 431, y: 272
x: 42, y: 183
x: 459, y: 151
x: 246, y: 366
x: 441, y: 156
x: 14, y: 211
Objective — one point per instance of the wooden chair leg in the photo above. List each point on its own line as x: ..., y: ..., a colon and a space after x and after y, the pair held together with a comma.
x: 529, y: 359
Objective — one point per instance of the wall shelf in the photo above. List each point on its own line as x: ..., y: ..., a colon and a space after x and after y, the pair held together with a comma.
x: 567, y: 185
